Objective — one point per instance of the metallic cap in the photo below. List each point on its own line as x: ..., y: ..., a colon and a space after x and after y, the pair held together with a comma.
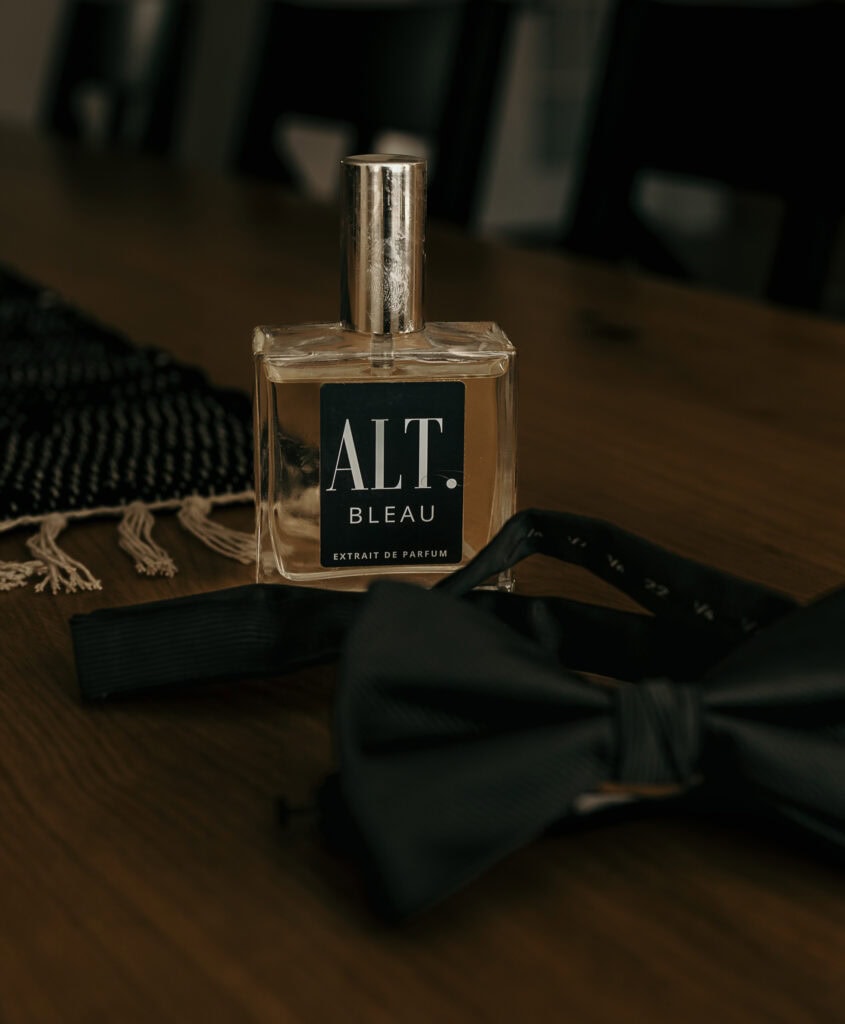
x: 383, y: 243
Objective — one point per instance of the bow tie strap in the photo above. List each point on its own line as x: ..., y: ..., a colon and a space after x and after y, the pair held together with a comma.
x: 263, y: 631
x: 658, y: 580
x: 266, y: 630
x: 607, y: 641
x: 256, y: 631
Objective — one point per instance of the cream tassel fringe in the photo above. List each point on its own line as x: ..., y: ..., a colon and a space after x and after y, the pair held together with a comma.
x: 62, y: 571
x: 17, y: 574
x: 194, y: 516
x: 134, y: 535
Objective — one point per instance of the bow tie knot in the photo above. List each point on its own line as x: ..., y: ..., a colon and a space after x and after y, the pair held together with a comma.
x: 658, y: 729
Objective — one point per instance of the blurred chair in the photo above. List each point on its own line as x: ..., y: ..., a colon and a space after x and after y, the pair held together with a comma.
x: 428, y: 69
x: 747, y: 95
x: 117, y: 72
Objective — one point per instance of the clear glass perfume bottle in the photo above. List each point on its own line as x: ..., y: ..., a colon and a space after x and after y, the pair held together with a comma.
x: 384, y: 445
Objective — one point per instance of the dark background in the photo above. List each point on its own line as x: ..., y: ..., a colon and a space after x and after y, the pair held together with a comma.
x: 551, y: 67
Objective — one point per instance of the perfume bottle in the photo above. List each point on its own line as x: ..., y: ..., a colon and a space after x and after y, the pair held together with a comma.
x: 385, y: 445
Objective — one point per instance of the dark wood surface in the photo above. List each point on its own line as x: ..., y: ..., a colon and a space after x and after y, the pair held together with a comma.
x: 143, y: 874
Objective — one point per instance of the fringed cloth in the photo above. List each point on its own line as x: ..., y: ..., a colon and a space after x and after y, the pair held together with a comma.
x: 94, y: 425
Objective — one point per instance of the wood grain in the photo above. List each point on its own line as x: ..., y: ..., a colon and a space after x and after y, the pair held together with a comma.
x: 143, y: 874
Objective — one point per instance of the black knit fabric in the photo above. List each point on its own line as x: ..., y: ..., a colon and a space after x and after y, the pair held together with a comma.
x: 89, y: 420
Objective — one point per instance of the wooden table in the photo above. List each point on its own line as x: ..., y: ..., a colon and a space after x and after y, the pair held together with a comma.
x: 143, y: 874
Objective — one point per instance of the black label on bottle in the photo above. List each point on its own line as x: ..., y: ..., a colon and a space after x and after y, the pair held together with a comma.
x: 391, y: 474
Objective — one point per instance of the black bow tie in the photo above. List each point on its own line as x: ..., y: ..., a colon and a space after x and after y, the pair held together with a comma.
x: 461, y: 736
x: 462, y: 728
x: 460, y: 741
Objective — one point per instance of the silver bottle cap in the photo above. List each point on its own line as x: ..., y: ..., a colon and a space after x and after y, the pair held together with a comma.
x: 383, y: 243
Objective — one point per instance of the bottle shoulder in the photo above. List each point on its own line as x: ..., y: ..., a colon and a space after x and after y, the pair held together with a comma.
x: 331, y: 341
